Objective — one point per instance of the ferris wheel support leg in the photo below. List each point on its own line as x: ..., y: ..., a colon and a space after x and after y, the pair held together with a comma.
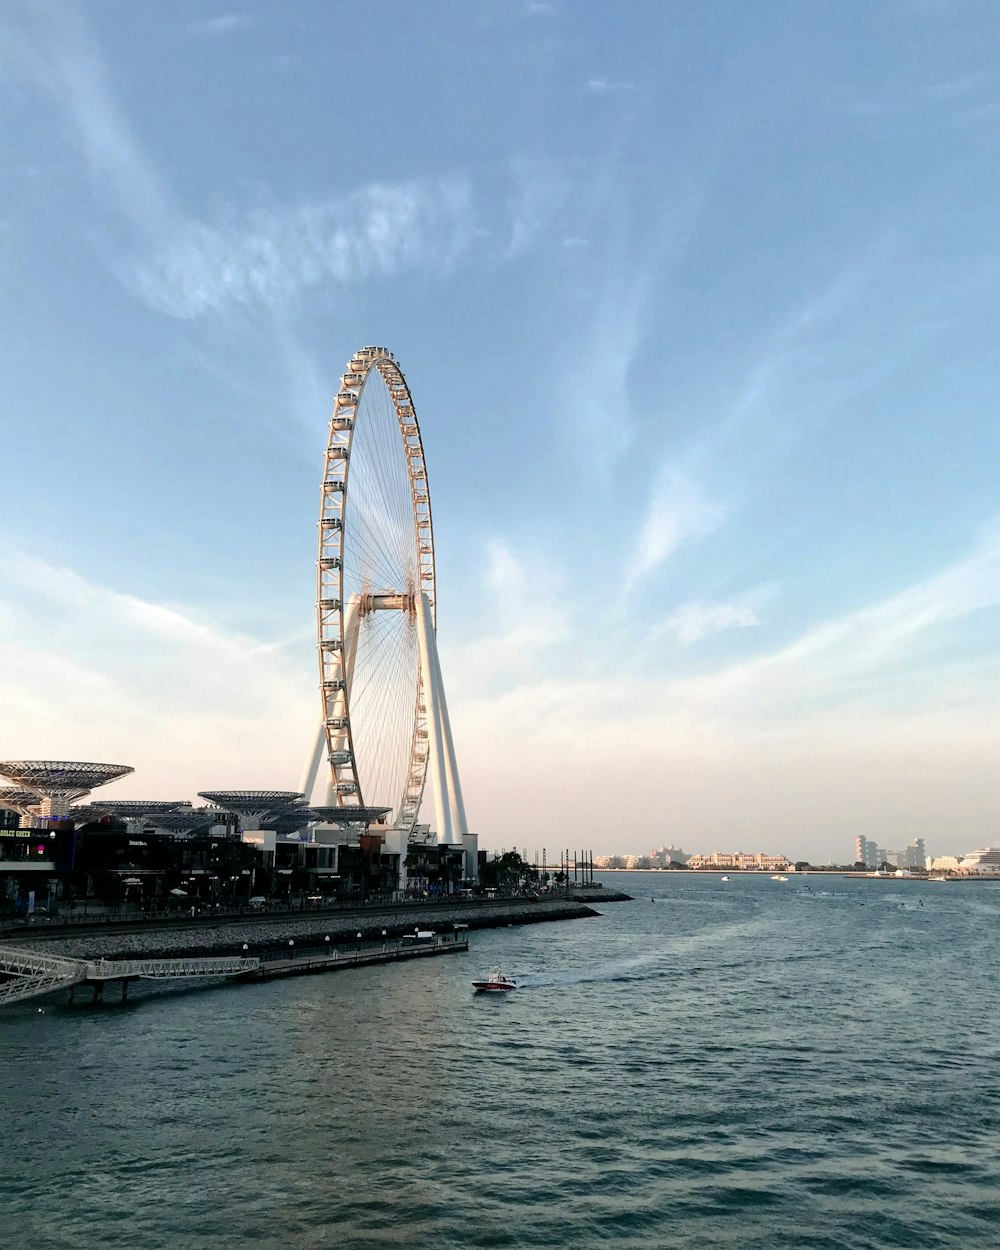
x: 436, y: 754
x: 456, y: 804
x: 311, y: 770
x: 352, y: 622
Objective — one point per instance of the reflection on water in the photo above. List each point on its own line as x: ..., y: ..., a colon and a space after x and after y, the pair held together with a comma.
x: 739, y: 1065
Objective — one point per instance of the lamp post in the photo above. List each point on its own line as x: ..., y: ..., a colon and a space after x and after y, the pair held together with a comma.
x: 383, y: 940
x: 359, y: 943
x: 291, y: 945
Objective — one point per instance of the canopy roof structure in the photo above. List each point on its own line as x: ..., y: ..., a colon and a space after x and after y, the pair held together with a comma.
x: 57, y: 783
x: 251, y: 802
x: 349, y: 815
x: 182, y: 822
x: 288, y: 819
x: 134, y: 807
x: 16, y: 799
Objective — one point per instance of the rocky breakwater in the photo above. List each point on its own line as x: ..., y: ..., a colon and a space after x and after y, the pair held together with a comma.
x: 264, y: 934
x: 598, y: 893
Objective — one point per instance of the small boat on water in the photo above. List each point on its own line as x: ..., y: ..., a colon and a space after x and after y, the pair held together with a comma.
x: 779, y: 877
x: 496, y: 982
x: 724, y: 878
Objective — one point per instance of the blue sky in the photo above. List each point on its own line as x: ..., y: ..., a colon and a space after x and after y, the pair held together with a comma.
x: 698, y: 303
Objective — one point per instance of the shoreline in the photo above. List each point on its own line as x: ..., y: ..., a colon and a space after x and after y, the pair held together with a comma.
x: 766, y: 874
x: 255, y: 935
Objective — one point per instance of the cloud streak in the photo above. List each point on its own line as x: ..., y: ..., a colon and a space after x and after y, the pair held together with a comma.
x: 87, y: 670
x: 858, y: 718
x: 698, y: 619
x: 52, y: 51
x: 226, y: 24
x: 268, y: 256
x: 607, y: 86
x: 680, y: 512
x: 187, y: 267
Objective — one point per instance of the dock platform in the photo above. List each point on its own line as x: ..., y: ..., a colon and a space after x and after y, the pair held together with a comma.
x: 30, y: 974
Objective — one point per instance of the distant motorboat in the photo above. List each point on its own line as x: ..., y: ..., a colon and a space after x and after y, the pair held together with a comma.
x: 725, y: 878
x: 779, y: 877
x: 496, y: 982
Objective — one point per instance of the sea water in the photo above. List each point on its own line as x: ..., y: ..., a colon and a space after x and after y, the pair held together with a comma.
x: 716, y: 1064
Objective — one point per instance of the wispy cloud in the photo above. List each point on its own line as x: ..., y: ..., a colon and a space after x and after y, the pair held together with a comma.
x: 185, y: 266
x: 226, y: 24
x: 53, y: 51
x: 865, y: 323
x: 605, y: 86
x: 699, y: 619
x: 614, y: 293
x: 954, y: 88
x: 680, y: 512
x: 888, y: 631
x: 537, y: 190
x: 857, y: 718
x: 267, y: 256
x: 173, y: 689
x: 526, y: 613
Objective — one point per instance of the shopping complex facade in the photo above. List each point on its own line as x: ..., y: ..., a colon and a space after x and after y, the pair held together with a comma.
x: 240, y: 846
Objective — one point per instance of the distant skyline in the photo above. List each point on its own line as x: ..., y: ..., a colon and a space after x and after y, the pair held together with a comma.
x: 699, y: 308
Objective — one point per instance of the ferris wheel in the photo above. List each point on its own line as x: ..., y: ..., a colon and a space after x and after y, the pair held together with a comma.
x: 384, y: 719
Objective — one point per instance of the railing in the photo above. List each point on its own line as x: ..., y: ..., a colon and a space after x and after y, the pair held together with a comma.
x: 16, y: 962
x: 78, y: 915
x: 159, y: 969
x: 33, y: 974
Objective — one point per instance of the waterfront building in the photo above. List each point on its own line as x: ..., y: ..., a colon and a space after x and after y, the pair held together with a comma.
x: 742, y: 861
x: 915, y: 855
x: 867, y: 852
x: 944, y: 863
x: 667, y: 855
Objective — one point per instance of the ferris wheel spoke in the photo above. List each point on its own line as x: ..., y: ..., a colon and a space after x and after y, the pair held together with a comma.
x: 382, y: 553
x: 387, y: 685
x: 362, y: 559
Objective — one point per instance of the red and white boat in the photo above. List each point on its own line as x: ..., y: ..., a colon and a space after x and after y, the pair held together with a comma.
x: 495, y: 983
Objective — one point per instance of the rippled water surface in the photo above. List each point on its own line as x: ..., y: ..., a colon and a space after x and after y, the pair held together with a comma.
x: 742, y: 1064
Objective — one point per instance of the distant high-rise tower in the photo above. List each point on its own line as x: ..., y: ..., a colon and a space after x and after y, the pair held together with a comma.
x: 915, y: 855
x: 866, y: 852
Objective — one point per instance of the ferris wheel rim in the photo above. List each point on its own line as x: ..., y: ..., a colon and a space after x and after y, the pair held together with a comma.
x: 335, y: 680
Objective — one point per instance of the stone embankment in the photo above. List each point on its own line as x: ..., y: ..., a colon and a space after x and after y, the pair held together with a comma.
x: 597, y: 894
x: 259, y: 934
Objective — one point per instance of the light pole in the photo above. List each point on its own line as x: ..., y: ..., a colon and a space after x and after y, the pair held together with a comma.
x: 359, y: 943
x: 291, y: 945
x: 383, y: 940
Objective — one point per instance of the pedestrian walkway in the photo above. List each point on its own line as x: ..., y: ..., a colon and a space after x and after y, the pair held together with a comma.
x: 31, y: 974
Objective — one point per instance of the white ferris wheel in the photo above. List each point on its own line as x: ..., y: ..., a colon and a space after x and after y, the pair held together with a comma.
x: 384, y: 719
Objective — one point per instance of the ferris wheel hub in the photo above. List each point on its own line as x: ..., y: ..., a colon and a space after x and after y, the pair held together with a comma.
x: 387, y: 601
